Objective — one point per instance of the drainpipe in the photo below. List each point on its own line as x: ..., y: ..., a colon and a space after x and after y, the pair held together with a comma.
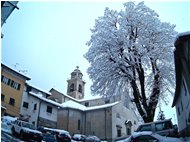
x: 68, y: 120
x: 85, y: 122
x: 39, y: 113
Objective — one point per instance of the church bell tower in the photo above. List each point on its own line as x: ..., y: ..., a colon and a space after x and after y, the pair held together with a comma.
x: 76, y: 85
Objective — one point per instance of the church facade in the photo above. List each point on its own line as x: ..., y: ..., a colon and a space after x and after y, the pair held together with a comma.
x: 107, y: 118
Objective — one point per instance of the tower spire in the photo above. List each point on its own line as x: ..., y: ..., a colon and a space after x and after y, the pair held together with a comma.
x: 76, y: 84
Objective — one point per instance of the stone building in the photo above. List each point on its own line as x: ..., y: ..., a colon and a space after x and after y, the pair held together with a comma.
x: 76, y: 85
x: 107, y: 118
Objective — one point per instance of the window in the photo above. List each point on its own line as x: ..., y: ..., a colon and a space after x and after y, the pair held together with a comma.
x: 5, y: 80
x: 71, y: 88
x: 78, y: 124
x: 178, y: 109
x: 35, y: 106
x: 2, y: 97
x: 107, y: 101
x: 86, y: 104
x: 10, y: 82
x: 118, y: 115
x: 80, y: 88
x: 135, y: 122
x: 160, y: 126
x: 25, y: 104
x: 33, y: 122
x: 181, y: 106
x: 49, y: 109
x: 28, y: 89
x: 128, y: 131
x: 145, y: 128
x: 15, y: 85
x: 12, y: 101
x: 118, y: 131
x: 145, y: 138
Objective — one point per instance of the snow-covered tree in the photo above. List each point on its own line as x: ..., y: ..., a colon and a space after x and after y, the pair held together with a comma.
x: 132, y: 51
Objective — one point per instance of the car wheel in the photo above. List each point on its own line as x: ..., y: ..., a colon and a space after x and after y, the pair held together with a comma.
x: 13, y: 131
x: 21, y: 135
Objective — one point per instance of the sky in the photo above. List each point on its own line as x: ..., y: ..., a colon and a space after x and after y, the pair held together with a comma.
x: 48, y: 39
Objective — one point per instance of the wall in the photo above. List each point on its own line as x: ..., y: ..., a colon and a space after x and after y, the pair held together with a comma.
x: 48, y: 119
x: 10, y: 92
x: 182, y: 95
x: 183, y: 108
x: 120, y: 115
x: 56, y: 95
x: 98, y: 122
x: 33, y: 114
x: 68, y: 120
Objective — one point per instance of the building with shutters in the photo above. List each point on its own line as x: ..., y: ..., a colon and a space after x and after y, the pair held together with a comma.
x: 12, y: 88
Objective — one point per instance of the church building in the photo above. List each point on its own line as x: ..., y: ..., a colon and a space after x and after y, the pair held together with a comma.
x: 107, y: 118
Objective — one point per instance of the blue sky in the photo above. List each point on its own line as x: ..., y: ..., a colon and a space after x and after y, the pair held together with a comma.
x: 48, y: 38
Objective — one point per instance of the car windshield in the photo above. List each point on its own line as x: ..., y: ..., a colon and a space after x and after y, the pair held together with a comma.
x: 28, y: 125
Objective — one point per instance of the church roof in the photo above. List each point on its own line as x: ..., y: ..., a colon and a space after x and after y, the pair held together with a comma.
x: 78, y: 106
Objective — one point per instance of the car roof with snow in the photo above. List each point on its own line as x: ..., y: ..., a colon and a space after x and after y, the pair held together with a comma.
x: 56, y: 130
x: 159, y: 137
x: 136, y: 134
x: 9, y: 118
x: 157, y: 121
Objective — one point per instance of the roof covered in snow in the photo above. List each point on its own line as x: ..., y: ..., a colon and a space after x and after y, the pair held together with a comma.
x: 44, y: 99
x: 89, y: 99
x: 39, y: 89
x: 72, y: 104
x: 181, y: 37
x: 18, y: 72
x: 78, y: 106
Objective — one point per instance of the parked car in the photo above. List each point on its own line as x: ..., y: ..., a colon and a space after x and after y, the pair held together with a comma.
x: 26, y: 131
x: 49, y: 137
x: 55, y: 135
x: 6, y: 123
x: 63, y: 137
x: 164, y: 128
x: 78, y: 137
x: 48, y: 134
x: 92, y: 139
x: 150, y: 137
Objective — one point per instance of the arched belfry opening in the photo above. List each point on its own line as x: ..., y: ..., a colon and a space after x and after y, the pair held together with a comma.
x: 75, y: 87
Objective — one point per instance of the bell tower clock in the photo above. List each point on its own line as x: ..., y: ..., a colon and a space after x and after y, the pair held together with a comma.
x: 75, y: 87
